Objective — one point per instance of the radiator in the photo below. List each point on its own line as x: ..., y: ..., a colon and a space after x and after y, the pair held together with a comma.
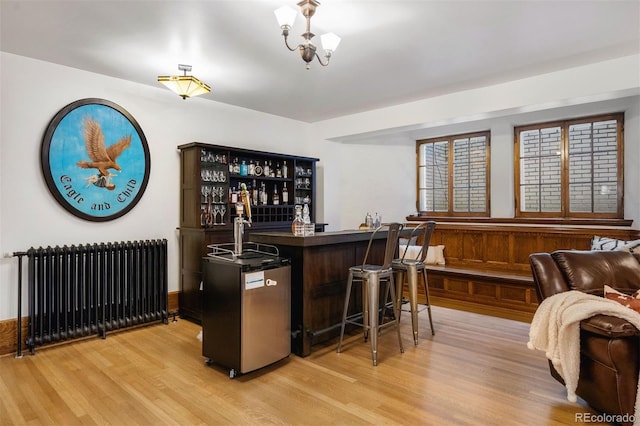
x: 86, y: 290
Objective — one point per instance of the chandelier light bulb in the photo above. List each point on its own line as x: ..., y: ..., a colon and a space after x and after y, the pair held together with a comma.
x: 286, y: 16
x: 330, y: 41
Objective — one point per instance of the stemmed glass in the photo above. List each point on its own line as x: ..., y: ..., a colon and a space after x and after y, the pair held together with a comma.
x: 216, y: 211
x: 223, y: 210
x: 219, y: 194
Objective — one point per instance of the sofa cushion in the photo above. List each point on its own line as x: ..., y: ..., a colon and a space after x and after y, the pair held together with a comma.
x: 589, y: 271
x: 606, y: 244
x: 611, y: 244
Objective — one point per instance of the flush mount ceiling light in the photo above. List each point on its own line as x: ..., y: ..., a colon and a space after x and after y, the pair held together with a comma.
x: 186, y: 86
x: 285, y: 16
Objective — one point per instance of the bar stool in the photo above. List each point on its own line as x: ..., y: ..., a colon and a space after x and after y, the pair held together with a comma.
x: 370, y: 276
x: 411, y: 264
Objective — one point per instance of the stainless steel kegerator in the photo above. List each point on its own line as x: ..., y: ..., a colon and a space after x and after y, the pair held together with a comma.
x: 246, y: 317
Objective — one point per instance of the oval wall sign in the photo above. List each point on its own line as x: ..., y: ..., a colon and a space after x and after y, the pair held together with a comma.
x: 95, y: 159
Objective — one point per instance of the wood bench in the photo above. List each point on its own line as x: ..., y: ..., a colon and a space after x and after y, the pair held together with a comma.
x: 487, y: 264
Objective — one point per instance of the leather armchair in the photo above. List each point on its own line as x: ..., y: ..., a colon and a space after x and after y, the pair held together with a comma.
x: 609, y: 346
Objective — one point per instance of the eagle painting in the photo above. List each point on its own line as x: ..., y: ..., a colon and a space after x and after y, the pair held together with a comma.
x: 102, y: 157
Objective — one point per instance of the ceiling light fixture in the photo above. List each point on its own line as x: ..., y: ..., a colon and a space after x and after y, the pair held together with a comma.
x: 186, y: 86
x: 285, y: 16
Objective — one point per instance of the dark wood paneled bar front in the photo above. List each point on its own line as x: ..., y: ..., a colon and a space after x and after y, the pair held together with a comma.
x: 319, y: 270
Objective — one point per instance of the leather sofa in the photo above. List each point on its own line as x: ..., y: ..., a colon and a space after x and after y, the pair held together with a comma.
x: 609, y: 346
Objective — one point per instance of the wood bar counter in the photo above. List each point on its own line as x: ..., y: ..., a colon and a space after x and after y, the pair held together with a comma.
x: 319, y: 270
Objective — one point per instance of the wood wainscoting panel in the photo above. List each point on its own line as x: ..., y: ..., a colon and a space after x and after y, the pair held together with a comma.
x: 484, y: 290
x: 499, y: 247
x: 511, y: 294
x: 435, y: 282
x: 457, y: 286
x: 473, y: 246
x: 549, y: 243
x: 525, y: 242
x: 451, y: 240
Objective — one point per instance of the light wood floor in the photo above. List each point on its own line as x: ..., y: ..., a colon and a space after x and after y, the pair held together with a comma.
x: 476, y: 370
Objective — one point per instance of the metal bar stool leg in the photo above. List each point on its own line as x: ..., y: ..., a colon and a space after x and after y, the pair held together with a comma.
x: 396, y: 312
x: 346, y: 308
x: 373, y: 293
x: 399, y: 277
x: 366, y: 323
x: 426, y: 293
x: 412, y: 272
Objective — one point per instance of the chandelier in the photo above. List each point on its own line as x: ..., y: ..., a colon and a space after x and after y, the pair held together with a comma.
x: 186, y: 86
x: 285, y: 16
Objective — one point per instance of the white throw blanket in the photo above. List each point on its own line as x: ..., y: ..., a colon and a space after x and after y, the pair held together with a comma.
x: 555, y: 329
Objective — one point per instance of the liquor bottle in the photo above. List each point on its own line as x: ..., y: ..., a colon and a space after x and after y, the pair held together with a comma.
x: 278, y: 170
x: 252, y: 168
x: 276, y: 196
x: 236, y: 166
x: 266, y: 168
x: 233, y: 196
x: 285, y: 170
x: 285, y: 194
x: 297, y: 226
x: 230, y: 165
x: 272, y: 172
x: 244, y: 169
x: 264, y: 199
x: 254, y: 193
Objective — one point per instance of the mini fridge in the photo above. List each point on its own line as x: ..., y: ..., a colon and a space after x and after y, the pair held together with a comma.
x: 246, y: 316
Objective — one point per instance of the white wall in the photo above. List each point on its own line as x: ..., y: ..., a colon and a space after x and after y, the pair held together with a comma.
x: 367, y: 161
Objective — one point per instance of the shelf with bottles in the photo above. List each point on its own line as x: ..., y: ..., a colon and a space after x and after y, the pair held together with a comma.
x: 273, y: 192
x: 211, y: 174
x: 248, y: 167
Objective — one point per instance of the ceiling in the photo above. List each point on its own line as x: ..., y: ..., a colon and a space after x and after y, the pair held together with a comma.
x: 392, y: 51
